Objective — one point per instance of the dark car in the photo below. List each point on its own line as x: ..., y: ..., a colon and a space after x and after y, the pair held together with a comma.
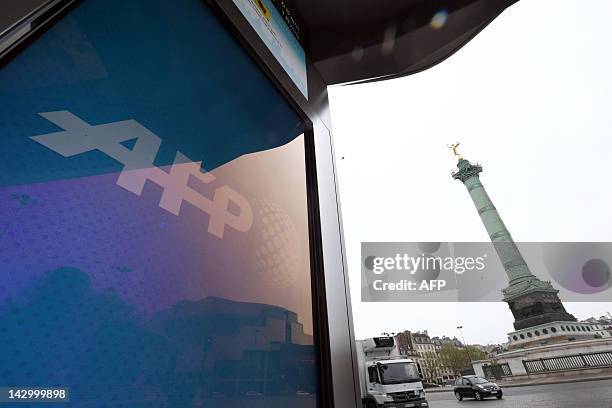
x: 476, y: 387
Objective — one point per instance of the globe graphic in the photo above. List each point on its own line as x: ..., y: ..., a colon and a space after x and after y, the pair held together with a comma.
x: 277, y: 255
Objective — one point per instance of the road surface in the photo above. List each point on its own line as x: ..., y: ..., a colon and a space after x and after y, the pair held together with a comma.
x: 588, y: 394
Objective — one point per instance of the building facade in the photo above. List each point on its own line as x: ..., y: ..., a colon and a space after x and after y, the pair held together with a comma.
x: 426, y: 351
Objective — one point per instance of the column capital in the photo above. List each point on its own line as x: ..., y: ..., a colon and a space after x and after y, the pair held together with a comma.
x: 466, y: 170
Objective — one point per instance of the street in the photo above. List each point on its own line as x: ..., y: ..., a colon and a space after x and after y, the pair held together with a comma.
x: 590, y: 394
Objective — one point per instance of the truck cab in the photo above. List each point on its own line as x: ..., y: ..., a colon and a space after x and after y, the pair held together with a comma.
x: 387, y: 379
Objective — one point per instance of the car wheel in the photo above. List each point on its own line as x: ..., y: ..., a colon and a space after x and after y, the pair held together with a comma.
x: 478, y: 396
x: 500, y: 396
x: 458, y: 396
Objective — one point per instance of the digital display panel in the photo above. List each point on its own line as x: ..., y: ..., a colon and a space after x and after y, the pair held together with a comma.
x: 154, y: 243
x: 276, y: 34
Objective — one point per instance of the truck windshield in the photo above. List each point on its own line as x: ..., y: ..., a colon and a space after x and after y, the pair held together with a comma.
x: 395, y: 373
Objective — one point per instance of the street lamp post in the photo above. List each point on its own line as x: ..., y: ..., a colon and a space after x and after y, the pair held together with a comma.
x: 467, y: 349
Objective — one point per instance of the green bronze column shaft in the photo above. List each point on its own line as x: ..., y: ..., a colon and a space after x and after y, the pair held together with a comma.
x: 533, y: 302
x: 515, y: 266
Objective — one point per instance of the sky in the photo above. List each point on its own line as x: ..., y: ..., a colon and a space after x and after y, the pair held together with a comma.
x: 529, y: 98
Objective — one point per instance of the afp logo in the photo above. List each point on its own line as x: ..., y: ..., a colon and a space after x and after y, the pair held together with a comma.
x: 80, y: 137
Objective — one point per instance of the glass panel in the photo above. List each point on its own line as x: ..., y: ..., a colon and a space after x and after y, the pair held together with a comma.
x: 372, y: 374
x: 399, y: 373
x: 128, y: 273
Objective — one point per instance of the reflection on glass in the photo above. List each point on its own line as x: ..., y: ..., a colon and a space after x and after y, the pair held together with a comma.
x: 128, y: 273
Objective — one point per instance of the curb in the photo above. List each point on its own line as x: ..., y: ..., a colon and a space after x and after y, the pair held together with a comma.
x: 564, y: 381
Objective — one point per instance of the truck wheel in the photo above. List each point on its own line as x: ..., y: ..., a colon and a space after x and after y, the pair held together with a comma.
x: 458, y: 396
x: 371, y: 404
x: 478, y: 396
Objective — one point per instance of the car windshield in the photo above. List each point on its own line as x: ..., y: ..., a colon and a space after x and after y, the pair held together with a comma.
x: 478, y: 380
x: 395, y: 373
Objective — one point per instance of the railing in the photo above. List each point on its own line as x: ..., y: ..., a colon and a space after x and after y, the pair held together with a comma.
x: 497, y: 371
x: 590, y: 360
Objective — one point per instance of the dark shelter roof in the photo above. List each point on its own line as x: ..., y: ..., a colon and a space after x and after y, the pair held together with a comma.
x: 361, y: 40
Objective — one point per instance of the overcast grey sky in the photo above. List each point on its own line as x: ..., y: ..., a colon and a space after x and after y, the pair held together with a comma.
x: 531, y: 99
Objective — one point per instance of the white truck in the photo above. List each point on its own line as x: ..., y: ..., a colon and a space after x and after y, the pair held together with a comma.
x: 387, y: 378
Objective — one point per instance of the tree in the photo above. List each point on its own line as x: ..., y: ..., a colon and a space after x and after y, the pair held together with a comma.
x: 457, y: 358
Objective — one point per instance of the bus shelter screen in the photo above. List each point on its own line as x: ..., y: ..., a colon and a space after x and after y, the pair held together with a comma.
x: 154, y: 242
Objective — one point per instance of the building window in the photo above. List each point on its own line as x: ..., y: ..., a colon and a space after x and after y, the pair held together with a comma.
x: 545, y: 331
x: 554, y: 330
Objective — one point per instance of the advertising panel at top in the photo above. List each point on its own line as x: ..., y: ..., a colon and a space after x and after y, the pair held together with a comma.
x: 276, y: 34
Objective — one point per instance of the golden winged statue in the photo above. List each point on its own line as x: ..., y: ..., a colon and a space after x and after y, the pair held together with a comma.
x: 454, y: 147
